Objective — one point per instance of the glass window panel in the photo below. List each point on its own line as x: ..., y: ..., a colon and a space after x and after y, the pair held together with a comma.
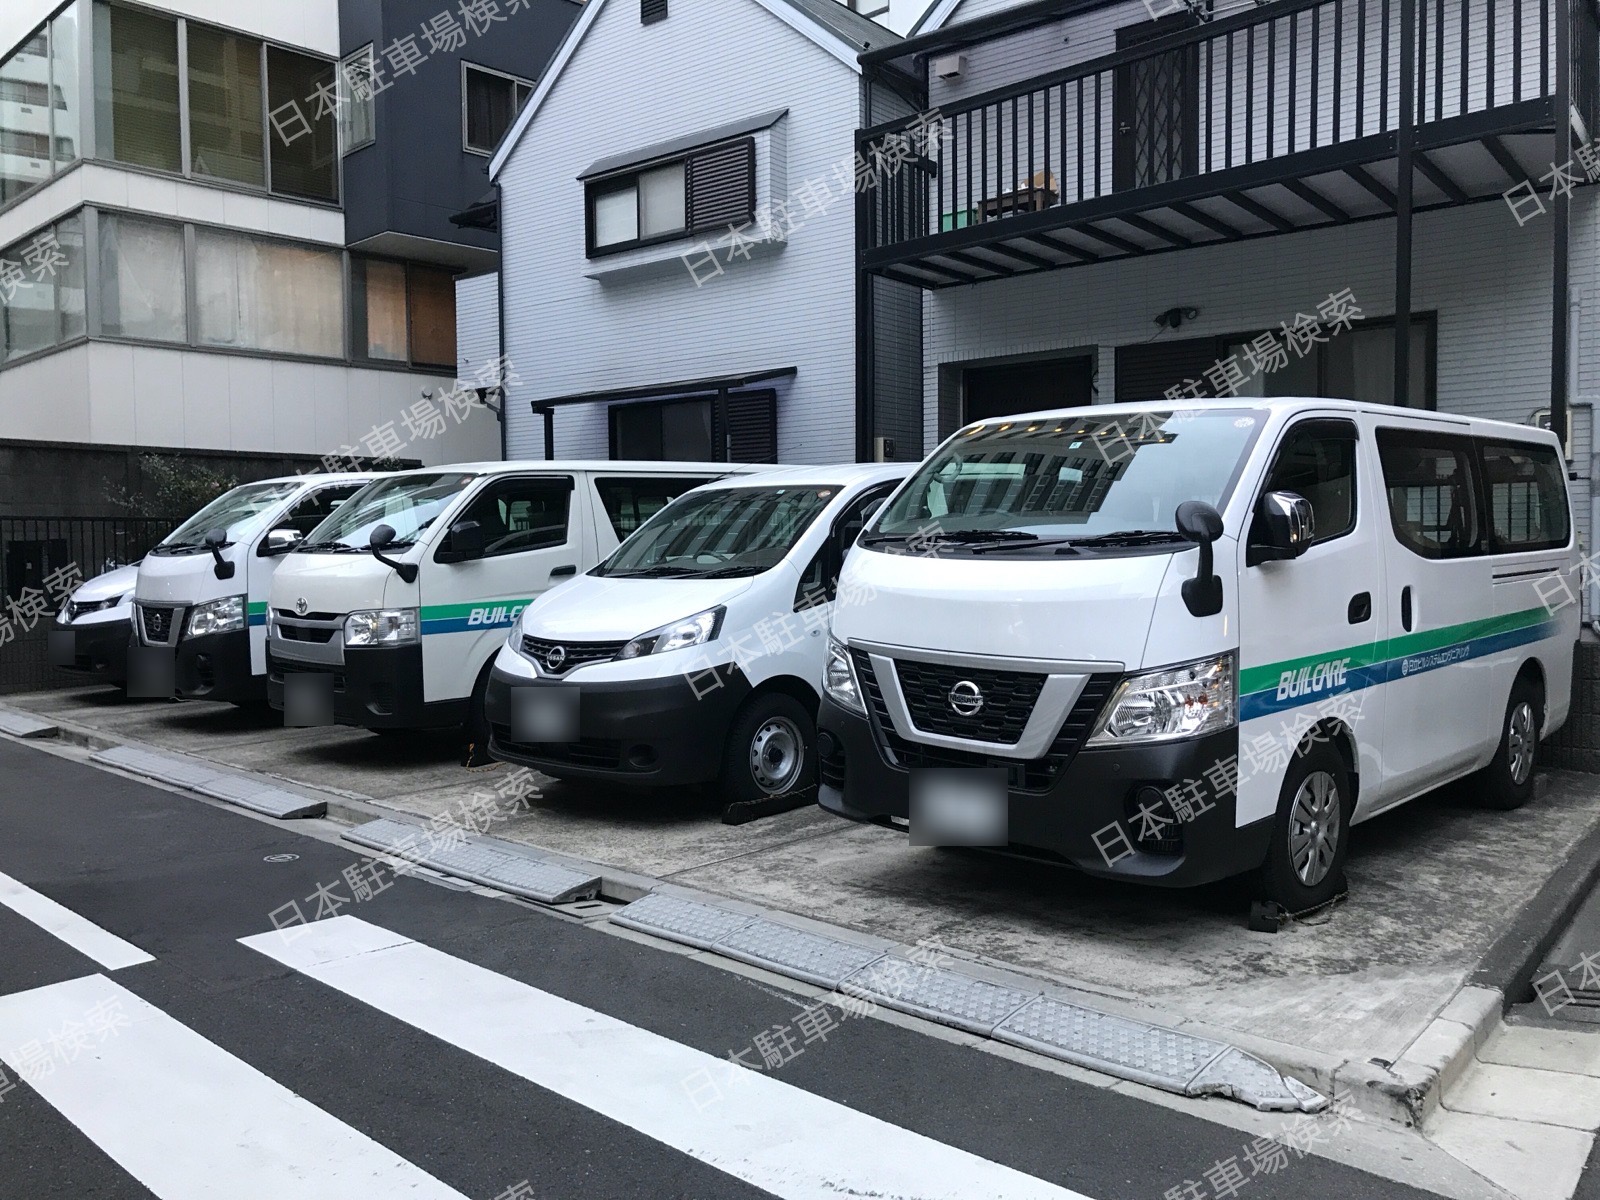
x: 616, y: 216
x: 28, y: 296
x: 1432, y: 494
x: 305, y: 160
x: 433, y: 317
x: 357, y: 107
x: 1361, y: 363
x: 261, y: 295
x: 686, y: 431
x: 24, y: 118
x: 378, y: 299
x: 136, y: 88
x: 225, y: 123
x: 661, y: 201
x: 141, y: 279
x: 69, y: 278
x: 491, y: 107
x: 64, y: 85
x: 1527, y: 487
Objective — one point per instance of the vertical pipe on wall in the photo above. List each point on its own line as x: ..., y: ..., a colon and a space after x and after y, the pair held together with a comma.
x: 1404, y: 137
x: 1560, y: 208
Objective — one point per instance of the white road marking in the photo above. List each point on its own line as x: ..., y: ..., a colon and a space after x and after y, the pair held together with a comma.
x: 780, y: 1138
x: 82, y: 934
x: 182, y: 1115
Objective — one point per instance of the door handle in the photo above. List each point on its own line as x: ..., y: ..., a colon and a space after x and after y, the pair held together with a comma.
x: 1405, y: 608
x: 569, y: 569
x: 1360, y: 609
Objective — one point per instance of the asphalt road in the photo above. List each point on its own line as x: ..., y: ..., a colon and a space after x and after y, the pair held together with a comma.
x: 427, y: 1041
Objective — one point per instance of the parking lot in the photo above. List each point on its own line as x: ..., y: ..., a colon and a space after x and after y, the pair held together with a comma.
x: 1431, y: 885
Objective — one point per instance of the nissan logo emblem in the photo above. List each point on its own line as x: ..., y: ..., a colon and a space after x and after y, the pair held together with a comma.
x: 302, y: 606
x: 554, y: 657
x: 966, y: 700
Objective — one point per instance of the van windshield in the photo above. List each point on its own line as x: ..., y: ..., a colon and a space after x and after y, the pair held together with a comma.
x: 719, y: 534
x: 232, y: 511
x: 408, y: 504
x: 1075, y: 482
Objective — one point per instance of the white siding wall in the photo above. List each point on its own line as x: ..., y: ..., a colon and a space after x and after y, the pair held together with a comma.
x: 477, y: 324
x: 629, y: 86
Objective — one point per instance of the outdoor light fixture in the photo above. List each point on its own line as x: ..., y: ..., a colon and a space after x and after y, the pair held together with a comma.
x: 1174, y: 317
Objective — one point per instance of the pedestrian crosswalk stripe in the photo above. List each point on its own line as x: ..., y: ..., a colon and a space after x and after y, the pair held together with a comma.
x: 182, y: 1115
x: 773, y: 1135
x: 83, y: 935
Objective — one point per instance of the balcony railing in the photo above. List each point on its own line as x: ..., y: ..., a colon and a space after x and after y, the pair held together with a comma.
x: 1254, y: 90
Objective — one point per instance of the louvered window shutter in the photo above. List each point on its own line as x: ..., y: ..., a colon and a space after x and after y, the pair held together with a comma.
x: 651, y: 11
x: 753, y: 428
x: 722, y: 186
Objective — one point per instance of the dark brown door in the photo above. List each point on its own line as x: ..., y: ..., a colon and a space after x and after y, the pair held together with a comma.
x: 1001, y: 391
x: 1156, y: 109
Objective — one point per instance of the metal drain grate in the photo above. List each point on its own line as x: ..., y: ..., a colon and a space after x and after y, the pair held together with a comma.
x: 813, y: 957
x: 680, y: 920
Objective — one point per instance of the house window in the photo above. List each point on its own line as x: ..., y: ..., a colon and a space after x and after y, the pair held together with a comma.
x: 490, y: 101
x: 709, y: 189
x: 142, y: 291
x: 1356, y: 364
x: 685, y: 430
x: 257, y: 294
x: 402, y: 313
x: 305, y: 160
x: 44, y: 307
x: 225, y: 127
x: 136, y: 88
x: 357, y: 110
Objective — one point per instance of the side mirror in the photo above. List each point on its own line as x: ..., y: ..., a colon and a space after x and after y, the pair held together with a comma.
x: 279, y: 541
x: 1202, y: 524
x: 1283, y: 527
x: 464, y: 543
x: 215, y: 541
x: 380, y: 540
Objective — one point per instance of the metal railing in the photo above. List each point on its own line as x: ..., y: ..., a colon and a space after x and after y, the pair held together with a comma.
x: 1295, y: 76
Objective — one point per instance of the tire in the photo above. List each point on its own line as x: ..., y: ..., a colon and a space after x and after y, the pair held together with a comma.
x: 1508, y: 779
x: 475, y: 731
x: 1305, y: 860
x: 771, y: 751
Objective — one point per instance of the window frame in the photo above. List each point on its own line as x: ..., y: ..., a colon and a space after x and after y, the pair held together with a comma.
x: 613, y: 181
x: 1490, y: 539
x: 517, y: 81
x: 490, y: 490
x: 1430, y: 383
x: 40, y: 42
x: 1463, y: 443
x: 1307, y: 424
x: 356, y: 353
x: 347, y: 101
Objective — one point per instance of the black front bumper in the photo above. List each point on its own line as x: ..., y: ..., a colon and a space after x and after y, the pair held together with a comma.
x: 376, y: 687
x: 1089, y: 815
x: 217, y: 667
x: 649, y: 731
x: 99, y: 649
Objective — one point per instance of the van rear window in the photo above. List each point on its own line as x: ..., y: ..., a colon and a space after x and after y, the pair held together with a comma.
x: 1527, y: 496
x: 1433, y: 499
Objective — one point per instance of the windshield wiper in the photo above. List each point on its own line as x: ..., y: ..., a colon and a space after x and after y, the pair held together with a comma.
x: 1128, y: 537
x: 656, y: 572
x: 730, y: 571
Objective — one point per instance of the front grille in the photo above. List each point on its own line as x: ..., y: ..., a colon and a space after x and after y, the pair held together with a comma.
x: 573, y: 654
x: 1032, y: 775
x: 301, y: 633
x: 157, y: 623
x: 830, y: 768
x: 603, y: 753
x: 1008, y: 700
x: 279, y: 669
x: 76, y: 610
x: 289, y: 614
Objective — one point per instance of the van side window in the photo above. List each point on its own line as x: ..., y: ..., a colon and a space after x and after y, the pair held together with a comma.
x: 315, y: 506
x: 518, y: 515
x: 1433, y: 499
x: 819, y: 582
x: 630, y: 502
x: 1317, y: 460
x: 1527, y: 491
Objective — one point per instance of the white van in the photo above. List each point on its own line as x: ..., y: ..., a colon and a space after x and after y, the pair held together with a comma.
x: 1177, y: 644
x: 388, y: 615
x: 694, y: 651
x: 91, y: 633
x: 201, y: 597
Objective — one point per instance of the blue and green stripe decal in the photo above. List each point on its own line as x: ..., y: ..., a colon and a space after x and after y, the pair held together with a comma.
x: 1280, y: 686
x: 460, y: 618
x: 255, y: 612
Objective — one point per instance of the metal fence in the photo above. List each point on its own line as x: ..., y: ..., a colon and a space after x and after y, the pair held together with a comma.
x: 41, y: 560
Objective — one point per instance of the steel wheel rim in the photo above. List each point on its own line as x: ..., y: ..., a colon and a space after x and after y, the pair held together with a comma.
x: 1315, y: 824
x: 1520, y: 742
x: 777, y: 755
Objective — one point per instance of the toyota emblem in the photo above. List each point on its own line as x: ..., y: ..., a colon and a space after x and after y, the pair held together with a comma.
x: 302, y: 606
x: 966, y: 699
x: 554, y: 657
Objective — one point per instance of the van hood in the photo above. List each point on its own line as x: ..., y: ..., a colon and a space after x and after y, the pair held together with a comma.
x: 104, y: 587
x: 1082, y: 608
x: 337, y: 583
x: 191, y: 578
x: 597, y: 608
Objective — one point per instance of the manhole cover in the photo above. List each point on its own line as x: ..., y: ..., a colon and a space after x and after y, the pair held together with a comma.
x: 280, y: 858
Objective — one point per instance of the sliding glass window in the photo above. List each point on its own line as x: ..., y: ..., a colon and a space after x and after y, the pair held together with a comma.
x: 39, y: 106
x: 305, y: 142
x: 42, y: 290
x: 142, y: 292
x: 402, y: 313
x: 225, y: 115
x: 136, y: 87
x: 273, y: 296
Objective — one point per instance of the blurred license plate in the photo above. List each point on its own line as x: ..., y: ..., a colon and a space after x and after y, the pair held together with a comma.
x: 151, y: 672
x: 307, y: 699
x: 63, y: 648
x: 544, y: 714
x: 959, y: 807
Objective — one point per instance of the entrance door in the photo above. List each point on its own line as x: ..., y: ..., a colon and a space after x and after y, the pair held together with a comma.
x: 1156, y: 107
x: 992, y: 392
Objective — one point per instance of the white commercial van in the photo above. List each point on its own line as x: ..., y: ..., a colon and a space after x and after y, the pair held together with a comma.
x: 693, y: 653
x: 1174, y: 644
x: 200, y: 602
x: 388, y: 615
x: 92, y: 631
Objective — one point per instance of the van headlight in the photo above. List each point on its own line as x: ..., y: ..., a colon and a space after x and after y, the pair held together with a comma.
x: 382, y: 627
x: 1175, y: 702
x: 680, y: 635
x: 217, y: 616
x: 839, y: 679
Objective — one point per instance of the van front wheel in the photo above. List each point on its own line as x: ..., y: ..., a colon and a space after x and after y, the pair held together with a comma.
x: 771, y: 751
x: 1305, y: 861
x: 1508, y: 779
